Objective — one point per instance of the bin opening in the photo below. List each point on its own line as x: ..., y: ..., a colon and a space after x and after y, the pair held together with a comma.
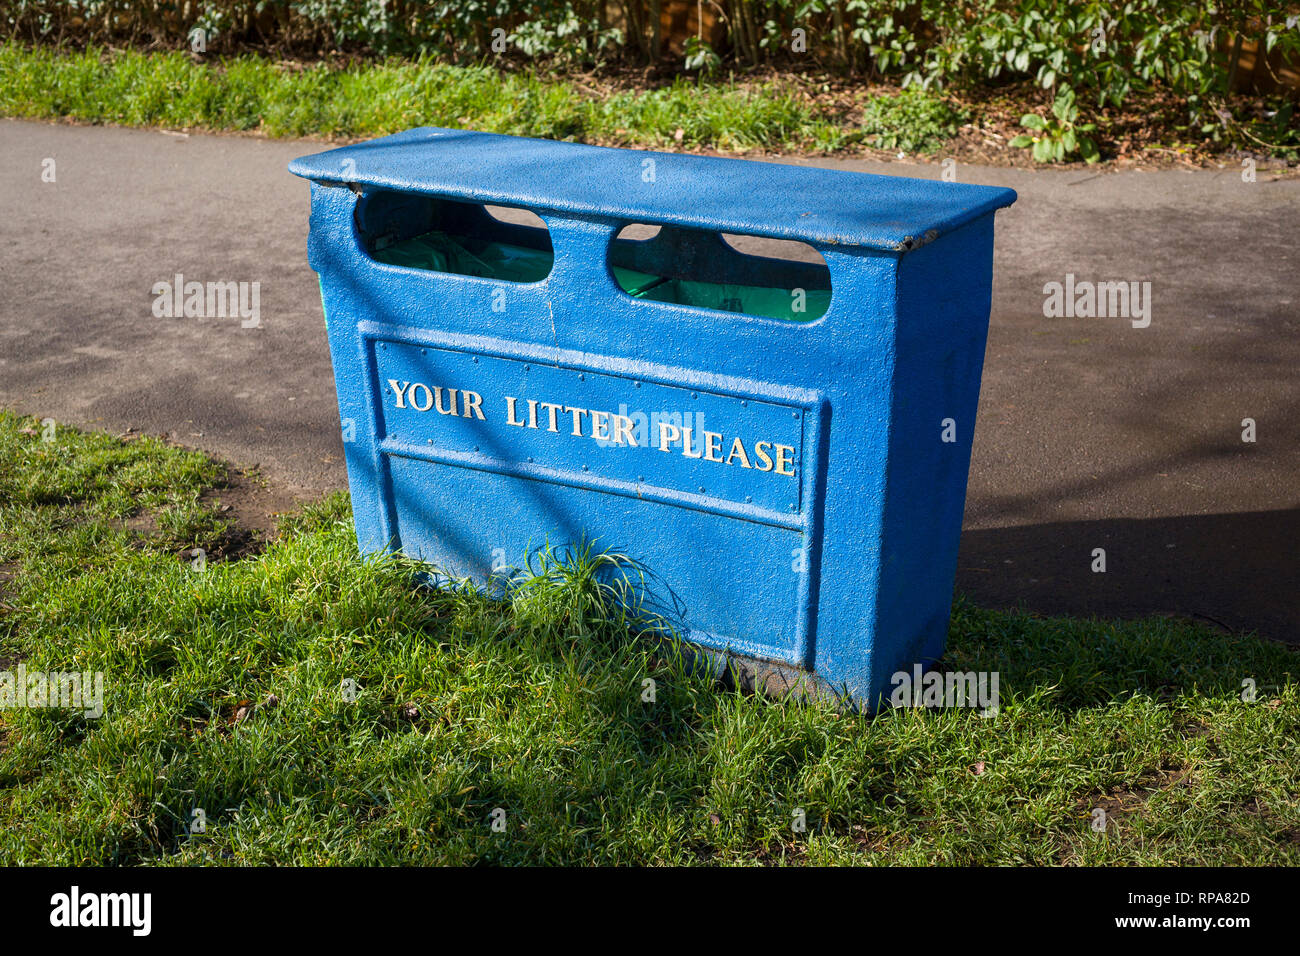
x: 708, y: 270
x: 673, y: 265
x: 444, y: 235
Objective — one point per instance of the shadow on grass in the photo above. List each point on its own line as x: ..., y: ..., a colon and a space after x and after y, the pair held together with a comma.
x: 1092, y: 662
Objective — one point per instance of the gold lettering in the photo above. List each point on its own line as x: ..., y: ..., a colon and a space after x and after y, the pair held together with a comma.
x: 664, y: 438
x: 510, y: 411
x: 410, y: 395
x: 577, y: 419
x: 437, y: 400
x: 783, y: 459
x: 623, y: 429
x: 738, y: 448
x: 552, y: 410
x: 473, y: 404
x: 606, y: 427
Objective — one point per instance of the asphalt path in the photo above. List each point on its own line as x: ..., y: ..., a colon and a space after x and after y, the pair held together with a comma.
x: 1091, y: 433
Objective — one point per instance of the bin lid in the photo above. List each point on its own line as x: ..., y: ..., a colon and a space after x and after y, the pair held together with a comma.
x: 828, y: 206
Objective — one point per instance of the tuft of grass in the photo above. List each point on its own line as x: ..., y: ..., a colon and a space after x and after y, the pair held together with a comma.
x: 915, y: 121
x: 324, y: 709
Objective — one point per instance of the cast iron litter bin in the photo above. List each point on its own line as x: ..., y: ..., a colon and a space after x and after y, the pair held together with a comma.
x: 791, y: 483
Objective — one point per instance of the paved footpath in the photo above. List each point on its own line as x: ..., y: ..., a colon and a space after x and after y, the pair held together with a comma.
x: 1091, y: 433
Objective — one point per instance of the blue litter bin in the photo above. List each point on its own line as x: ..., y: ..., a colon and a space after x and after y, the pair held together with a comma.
x: 780, y: 447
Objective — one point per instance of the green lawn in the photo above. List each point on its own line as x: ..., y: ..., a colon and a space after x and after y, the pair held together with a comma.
x: 253, y: 93
x: 465, y: 705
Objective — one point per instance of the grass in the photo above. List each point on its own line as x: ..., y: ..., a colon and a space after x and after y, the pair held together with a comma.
x: 248, y: 92
x: 225, y: 689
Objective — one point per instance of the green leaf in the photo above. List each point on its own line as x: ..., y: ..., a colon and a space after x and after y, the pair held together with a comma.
x: 1042, y: 151
x: 1064, y: 105
x: 1032, y: 121
x: 1021, y: 141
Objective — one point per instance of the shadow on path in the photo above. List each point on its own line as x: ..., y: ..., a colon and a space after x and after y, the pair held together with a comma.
x: 1236, y: 571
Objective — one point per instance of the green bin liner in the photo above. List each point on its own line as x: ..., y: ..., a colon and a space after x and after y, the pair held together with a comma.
x: 440, y: 252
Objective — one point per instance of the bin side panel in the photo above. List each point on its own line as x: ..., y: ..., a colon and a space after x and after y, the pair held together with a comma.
x: 943, y: 301
x: 330, y: 253
x: 852, y: 357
